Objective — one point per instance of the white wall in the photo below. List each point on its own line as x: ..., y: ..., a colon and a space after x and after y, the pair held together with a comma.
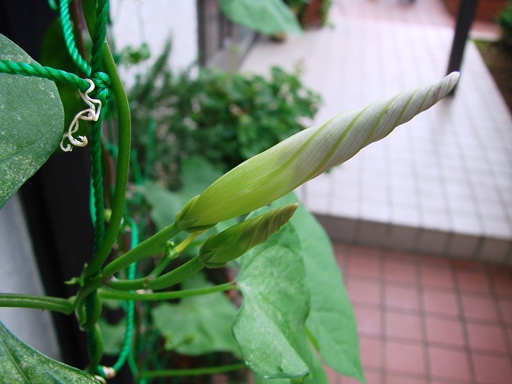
x: 154, y: 22
x: 19, y: 274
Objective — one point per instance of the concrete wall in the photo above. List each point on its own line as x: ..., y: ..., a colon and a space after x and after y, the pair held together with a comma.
x: 154, y: 22
x: 19, y: 274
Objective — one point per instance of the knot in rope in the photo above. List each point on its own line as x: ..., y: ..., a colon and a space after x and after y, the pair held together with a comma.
x: 102, y: 84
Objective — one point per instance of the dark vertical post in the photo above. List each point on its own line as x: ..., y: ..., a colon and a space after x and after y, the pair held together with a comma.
x: 465, y: 17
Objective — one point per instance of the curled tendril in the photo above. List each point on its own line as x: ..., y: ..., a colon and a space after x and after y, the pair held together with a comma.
x: 90, y: 114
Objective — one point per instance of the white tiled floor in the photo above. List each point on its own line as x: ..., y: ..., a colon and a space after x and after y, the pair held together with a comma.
x: 439, y: 184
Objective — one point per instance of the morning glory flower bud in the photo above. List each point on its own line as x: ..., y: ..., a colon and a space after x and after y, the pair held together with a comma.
x: 232, y: 243
x: 305, y: 155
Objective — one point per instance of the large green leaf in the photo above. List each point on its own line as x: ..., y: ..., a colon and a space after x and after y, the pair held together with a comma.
x: 113, y: 336
x: 265, y: 16
x: 20, y: 363
x: 270, y: 324
x: 199, y: 324
x: 164, y: 204
x: 331, y: 320
x: 31, y: 122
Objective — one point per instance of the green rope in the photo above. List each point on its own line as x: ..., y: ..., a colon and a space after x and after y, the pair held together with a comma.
x: 96, y: 166
x: 36, y: 70
x: 130, y: 311
x: 67, y: 29
x: 102, y: 93
x: 100, y: 32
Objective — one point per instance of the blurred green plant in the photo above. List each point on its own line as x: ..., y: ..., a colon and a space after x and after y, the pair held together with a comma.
x: 265, y: 16
x: 237, y: 115
x: 505, y: 22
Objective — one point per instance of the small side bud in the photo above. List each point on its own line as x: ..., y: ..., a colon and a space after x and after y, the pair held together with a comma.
x: 232, y: 243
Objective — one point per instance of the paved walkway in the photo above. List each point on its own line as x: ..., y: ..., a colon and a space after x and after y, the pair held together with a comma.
x: 439, y: 184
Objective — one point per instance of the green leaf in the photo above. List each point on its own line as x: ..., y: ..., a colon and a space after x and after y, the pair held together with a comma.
x: 113, y: 336
x: 316, y: 376
x: 31, y: 122
x: 331, y: 320
x: 20, y: 363
x: 270, y: 324
x: 265, y: 16
x: 200, y: 324
x: 164, y: 204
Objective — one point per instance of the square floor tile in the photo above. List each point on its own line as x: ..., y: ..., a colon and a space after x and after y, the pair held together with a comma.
x: 364, y: 291
x: 501, y: 280
x: 403, y: 326
x: 473, y: 281
x: 371, y: 352
x: 408, y: 379
x: 405, y: 357
x: 439, y: 277
x: 492, y: 369
x: 505, y: 306
x: 399, y: 271
x: 440, y: 302
x: 360, y: 264
x: 449, y: 364
x: 444, y: 331
x: 481, y: 307
x: 404, y: 297
x: 369, y: 321
x: 371, y: 378
x: 490, y: 338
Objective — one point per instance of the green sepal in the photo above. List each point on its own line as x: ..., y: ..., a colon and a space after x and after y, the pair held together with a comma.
x: 185, y: 223
x: 232, y: 243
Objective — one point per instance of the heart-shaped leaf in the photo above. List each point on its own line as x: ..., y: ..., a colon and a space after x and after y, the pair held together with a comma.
x: 21, y: 364
x: 31, y: 122
x: 270, y: 324
x: 331, y: 321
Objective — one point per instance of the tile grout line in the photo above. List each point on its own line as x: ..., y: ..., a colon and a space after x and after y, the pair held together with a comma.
x: 383, y: 307
x: 502, y: 322
x: 423, y: 315
x: 463, y: 321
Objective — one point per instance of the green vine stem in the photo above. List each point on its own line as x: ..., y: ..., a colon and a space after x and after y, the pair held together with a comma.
x: 123, y: 161
x: 96, y: 347
x: 37, y: 302
x: 193, y: 372
x: 120, y: 295
x: 87, y: 289
x: 144, y: 249
x: 169, y: 279
x: 173, y: 254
